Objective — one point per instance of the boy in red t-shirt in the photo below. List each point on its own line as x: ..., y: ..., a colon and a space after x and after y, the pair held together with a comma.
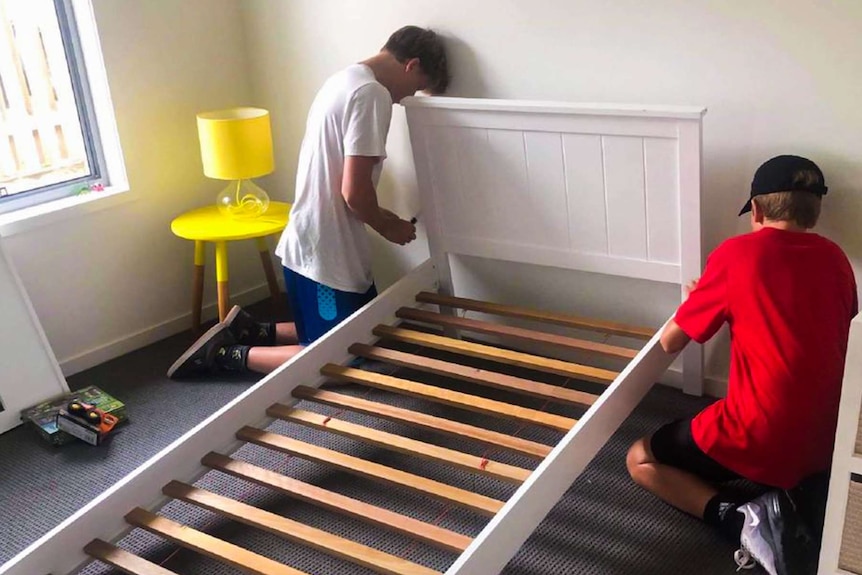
x: 788, y: 297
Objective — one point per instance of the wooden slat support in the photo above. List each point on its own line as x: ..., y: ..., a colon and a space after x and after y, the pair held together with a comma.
x: 425, y: 421
x: 383, y: 518
x: 566, y: 320
x: 478, y: 503
x: 123, y: 560
x: 491, y: 353
x: 295, y: 531
x: 516, y: 333
x: 421, y: 449
x: 475, y: 375
x: 212, y: 547
x: 448, y: 397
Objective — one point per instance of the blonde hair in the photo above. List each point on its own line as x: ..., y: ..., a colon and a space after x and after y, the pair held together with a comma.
x: 799, y: 207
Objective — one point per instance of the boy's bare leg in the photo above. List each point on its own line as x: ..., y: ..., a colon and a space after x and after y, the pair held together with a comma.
x: 679, y: 488
x: 265, y: 359
x: 285, y: 333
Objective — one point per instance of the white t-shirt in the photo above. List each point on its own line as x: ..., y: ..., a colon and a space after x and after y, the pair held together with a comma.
x: 324, y: 240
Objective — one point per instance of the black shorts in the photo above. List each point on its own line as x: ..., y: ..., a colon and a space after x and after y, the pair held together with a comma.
x: 673, y: 445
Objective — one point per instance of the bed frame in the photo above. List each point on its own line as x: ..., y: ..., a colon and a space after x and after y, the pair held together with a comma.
x: 606, y: 189
x: 841, y: 549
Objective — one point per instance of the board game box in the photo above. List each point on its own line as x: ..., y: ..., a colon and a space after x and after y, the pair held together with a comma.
x: 43, y: 417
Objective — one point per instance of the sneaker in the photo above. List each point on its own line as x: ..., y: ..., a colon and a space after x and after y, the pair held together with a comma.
x: 247, y: 330
x: 775, y: 537
x: 200, y: 357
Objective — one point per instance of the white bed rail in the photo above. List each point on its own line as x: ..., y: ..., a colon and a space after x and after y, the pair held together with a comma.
x: 845, y: 461
x: 60, y: 551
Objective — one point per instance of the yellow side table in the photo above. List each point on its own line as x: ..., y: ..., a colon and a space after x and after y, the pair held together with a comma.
x: 209, y: 225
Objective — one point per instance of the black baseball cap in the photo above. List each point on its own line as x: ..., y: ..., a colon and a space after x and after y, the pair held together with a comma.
x: 778, y: 174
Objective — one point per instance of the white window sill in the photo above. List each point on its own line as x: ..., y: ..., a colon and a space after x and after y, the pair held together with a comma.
x: 40, y: 215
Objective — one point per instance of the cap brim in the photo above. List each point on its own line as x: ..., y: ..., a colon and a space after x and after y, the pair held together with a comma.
x: 746, y: 208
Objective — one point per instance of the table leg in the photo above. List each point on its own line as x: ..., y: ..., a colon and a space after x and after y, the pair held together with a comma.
x: 266, y: 261
x: 222, y: 279
x: 198, y: 285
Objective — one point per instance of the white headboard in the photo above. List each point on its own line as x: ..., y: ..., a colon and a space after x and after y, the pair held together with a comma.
x: 612, y: 189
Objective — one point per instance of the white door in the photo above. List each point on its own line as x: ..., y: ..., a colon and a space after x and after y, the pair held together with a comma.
x: 29, y: 373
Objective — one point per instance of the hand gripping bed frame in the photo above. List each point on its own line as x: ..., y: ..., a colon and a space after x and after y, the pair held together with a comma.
x: 605, y: 189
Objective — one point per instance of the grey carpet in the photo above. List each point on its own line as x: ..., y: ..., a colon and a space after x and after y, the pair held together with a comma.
x: 604, y: 523
x: 54, y: 482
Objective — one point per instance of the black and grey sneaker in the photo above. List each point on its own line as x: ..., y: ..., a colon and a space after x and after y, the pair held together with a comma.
x: 247, y: 330
x: 775, y: 537
x: 200, y: 357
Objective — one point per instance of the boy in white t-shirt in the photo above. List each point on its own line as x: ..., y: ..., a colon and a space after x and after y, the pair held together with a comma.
x: 325, y: 248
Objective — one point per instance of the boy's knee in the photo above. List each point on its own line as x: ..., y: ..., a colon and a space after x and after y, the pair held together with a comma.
x: 639, y: 453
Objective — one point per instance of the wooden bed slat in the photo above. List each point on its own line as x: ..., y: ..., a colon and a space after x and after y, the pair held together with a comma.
x: 448, y: 397
x: 123, y: 560
x: 425, y: 421
x: 401, y: 444
x: 536, y: 315
x: 520, y: 359
x: 426, y: 532
x: 295, y: 531
x: 511, y: 332
x: 213, y: 547
x: 475, y: 375
x: 479, y: 503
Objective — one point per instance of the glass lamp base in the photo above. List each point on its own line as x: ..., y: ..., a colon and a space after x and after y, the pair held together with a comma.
x: 242, y: 199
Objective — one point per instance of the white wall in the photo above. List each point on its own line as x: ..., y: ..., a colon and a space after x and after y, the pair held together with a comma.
x: 110, y: 281
x: 777, y: 78
x: 774, y: 80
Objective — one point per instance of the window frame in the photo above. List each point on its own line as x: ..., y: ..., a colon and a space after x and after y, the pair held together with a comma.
x: 59, y: 201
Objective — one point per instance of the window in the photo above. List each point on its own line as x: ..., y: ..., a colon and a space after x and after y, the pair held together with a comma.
x: 50, y: 145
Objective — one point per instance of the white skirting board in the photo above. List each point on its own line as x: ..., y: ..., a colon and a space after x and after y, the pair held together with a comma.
x: 128, y: 343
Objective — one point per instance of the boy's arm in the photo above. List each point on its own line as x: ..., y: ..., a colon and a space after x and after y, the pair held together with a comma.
x: 673, y: 339
x: 357, y: 188
x: 704, y: 310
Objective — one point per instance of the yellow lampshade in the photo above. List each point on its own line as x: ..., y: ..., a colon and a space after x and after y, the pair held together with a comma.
x: 236, y: 144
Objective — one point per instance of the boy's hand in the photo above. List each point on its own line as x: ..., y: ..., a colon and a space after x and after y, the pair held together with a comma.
x: 673, y: 339
x: 387, y: 215
x: 396, y: 230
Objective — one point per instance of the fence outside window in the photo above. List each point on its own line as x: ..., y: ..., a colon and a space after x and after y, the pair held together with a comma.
x: 43, y: 145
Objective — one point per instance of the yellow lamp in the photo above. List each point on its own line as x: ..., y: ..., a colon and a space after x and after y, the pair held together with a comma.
x: 236, y: 144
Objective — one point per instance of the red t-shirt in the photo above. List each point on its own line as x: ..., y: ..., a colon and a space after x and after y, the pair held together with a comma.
x: 788, y: 298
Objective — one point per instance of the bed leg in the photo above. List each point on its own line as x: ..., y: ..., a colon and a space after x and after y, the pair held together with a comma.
x: 446, y: 287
